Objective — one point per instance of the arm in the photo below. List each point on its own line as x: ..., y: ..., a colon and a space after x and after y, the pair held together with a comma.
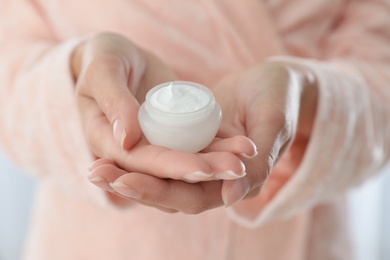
x: 38, y: 111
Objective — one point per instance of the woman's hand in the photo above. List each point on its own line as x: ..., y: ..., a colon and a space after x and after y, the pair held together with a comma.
x: 112, y: 76
x: 273, y: 104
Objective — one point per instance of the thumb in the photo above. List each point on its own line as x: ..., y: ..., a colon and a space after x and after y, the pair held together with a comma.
x: 106, y: 82
x: 123, y: 115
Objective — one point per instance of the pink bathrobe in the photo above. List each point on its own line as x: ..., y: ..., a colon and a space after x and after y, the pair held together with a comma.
x: 299, y: 215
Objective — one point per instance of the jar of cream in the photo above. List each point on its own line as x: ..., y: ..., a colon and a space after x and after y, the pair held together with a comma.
x: 180, y: 115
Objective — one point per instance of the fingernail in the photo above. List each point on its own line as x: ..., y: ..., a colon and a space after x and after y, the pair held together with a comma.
x: 246, y: 156
x: 196, y: 176
x: 229, y: 175
x: 119, y: 132
x: 94, y: 165
x: 236, y: 191
x: 101, y: 183
x: 249, y: 156
x: 99, y: 162
x: 125, y: 190
x: 243, y: 167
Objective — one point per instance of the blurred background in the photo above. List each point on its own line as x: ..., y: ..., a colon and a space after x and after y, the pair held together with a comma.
x: 369, y: 213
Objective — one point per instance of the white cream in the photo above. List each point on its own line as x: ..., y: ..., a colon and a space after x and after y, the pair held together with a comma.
x: 179, y: 98
x: 180, y: 115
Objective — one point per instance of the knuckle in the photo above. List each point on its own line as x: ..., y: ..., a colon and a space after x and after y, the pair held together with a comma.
x: 109, y: 62
x: 98, y: 67
x: 108, y: 105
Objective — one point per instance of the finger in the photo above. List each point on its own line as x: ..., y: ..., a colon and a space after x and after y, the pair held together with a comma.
x: 172, y: 194
x: 97, y: 130
x: 154, y: 160
x: 270, y: 140
x: 105, y: 174
x: 258, y: 171
x: 118, y: 200
x: 125, y: 202
x: 100, y: 162
x: 224, y: 165
x: 105, y: 80
x: 234, y: 191
x: 163, y: 163
x: 227, y: 130
x: 239, y: 145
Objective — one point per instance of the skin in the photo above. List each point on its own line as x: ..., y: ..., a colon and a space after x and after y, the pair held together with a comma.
x: 270, y: 106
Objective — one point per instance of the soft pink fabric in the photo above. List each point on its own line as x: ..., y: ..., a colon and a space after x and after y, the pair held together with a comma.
x: 299, y: 215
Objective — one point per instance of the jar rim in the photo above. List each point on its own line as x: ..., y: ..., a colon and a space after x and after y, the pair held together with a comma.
x: 207, y: 108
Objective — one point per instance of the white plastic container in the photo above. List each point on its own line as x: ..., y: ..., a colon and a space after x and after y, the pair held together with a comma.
x: 180, y: 115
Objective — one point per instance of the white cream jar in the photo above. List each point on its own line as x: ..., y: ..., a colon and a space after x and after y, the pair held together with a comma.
x: 180, y: 115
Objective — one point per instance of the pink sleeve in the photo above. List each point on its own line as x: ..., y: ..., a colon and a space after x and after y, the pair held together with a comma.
x: 351, y: 137
x: 40, y: 125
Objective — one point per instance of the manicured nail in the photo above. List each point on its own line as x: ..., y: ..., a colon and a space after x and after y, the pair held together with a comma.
x: 101, y: 183
x: 229, y: 175
x: 97, y: 179
x: 99, y: 162
x: 236, y: 191
x: 196, y: 176
x: 246, y: 156
x: 125, y: 190
x: 119, y: 132
x: 94, y: 165
x: 249, y: 156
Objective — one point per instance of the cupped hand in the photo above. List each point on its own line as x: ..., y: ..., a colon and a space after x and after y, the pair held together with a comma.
x: 190, y: 193
x: 272, y: 104
x: 112, y: 76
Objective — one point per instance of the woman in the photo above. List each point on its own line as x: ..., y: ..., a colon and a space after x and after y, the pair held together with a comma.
x: 306, y: 81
